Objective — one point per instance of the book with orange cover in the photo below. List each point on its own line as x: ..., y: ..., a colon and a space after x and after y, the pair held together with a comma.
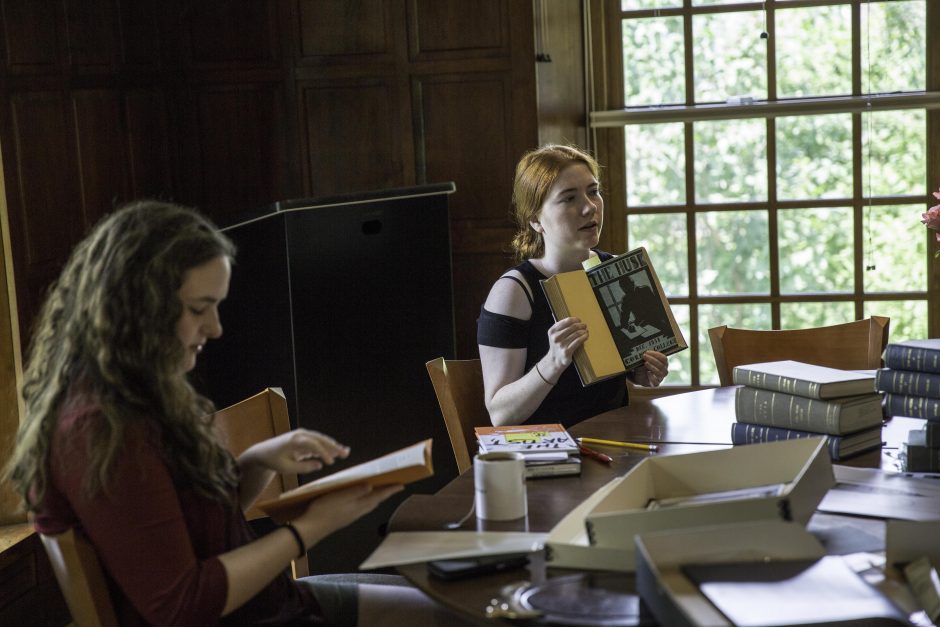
x: 399, y: 467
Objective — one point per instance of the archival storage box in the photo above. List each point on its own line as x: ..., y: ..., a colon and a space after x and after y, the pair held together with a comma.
x: 770, y: 481
x: 668, y: 592
x: 759, y: 572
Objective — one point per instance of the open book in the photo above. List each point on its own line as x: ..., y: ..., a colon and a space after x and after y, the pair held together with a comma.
x: 625, y: 309
x: 402, y: 466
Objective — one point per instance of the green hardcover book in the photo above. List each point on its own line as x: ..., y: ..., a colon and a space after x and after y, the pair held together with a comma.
x: 801, y: 379
x: 836, y: 416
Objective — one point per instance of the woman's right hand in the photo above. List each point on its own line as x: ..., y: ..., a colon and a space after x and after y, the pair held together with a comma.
x: 564, y: 338
x: 335, y: 510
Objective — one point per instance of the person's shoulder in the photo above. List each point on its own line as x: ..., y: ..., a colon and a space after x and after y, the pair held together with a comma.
x: 78, y: 414
x: 510, y: 295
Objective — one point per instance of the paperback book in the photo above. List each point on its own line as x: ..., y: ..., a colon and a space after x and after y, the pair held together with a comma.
x: 402, y: 466
x: 626, y: 312
x: 801, y: 379
x: 840, y: 446
x: 549, y: 449
x: 836, y: 416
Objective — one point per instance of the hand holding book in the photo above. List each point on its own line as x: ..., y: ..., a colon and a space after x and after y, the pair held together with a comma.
x: 399, y: 467
x: 626, y: 313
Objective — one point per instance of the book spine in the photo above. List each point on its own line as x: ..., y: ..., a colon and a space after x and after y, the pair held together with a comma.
x: 915, y: 358
x: 921, y: 459
x: 776, y: 383
x: 932, y: 434
x: 912, y: 406
x: 908, y: 382
x: 744, y: 433
x: 776, y: 409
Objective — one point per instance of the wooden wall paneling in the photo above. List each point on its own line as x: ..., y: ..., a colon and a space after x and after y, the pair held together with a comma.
x: 43, y: 194
x: 141, y: 28
x: 345, y: 31
x: 560, y: 75
x: 102, y: 151
x: 91, y: 35
x: 236, y: 153
x: 456, y: 29
x: 353, y: 136
x: 31, y: 37
x: 225, y: 33
x: 465, y: 137
x: 148, y: 144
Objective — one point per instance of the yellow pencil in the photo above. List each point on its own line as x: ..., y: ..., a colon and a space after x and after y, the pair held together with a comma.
x: 642, y: 447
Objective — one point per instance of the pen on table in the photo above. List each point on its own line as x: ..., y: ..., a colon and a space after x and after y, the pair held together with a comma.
x: 637, y: 445
x: 589, y: 452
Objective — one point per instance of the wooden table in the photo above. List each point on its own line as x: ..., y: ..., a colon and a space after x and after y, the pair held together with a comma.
x: 682, y: 423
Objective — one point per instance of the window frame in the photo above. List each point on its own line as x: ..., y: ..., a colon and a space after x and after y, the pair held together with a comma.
x: 608, y: 117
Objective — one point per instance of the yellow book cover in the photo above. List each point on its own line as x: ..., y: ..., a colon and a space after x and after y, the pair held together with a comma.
x: 625, y: 309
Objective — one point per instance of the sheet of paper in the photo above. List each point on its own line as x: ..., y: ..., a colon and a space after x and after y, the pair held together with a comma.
x: 873, y: 492
x: 411, y: 547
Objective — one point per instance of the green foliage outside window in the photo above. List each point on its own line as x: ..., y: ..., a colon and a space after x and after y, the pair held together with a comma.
x: 812, y: 198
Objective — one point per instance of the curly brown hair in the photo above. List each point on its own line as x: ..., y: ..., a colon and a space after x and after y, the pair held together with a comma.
x: 108, y: 327
x: 535, y: 174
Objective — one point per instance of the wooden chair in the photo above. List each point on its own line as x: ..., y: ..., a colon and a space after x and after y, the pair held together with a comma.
x: 252, y: 420
x: 73, y: 558
x: 851, y: 346
x: 458, y: 384
x: 81, y: 579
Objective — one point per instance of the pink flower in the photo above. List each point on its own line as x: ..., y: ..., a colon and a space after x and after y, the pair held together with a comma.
x: 932, y: 218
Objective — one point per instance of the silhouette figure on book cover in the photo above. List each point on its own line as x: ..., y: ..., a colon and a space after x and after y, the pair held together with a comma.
x: 640, y: 312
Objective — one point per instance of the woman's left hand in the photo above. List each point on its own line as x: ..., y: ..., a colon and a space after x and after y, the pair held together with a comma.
x: 654, y: 369
x: 296, y: 452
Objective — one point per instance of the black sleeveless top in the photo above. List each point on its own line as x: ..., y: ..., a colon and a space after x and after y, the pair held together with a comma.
x: 568, y: 402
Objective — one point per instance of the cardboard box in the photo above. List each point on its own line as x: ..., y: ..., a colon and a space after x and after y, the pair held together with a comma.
x: 673, y: 598
x: 568, y: 545
x: 599, y: 533
x: 767, y: 573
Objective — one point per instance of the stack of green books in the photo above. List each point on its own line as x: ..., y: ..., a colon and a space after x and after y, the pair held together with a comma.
x: 782, y: 400
x: 911, y: 379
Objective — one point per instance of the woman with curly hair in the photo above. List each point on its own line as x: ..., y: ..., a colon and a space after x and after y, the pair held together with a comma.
x: 117, y: 443
x: 526, y: 355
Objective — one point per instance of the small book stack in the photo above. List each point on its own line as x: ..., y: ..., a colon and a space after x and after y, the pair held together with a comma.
x: 549, y: 449
x: 782, y: 400
x: 911, y: 379
x: 921, y: 452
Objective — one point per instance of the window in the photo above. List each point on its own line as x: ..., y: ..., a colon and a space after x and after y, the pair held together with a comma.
x: 772, y: 157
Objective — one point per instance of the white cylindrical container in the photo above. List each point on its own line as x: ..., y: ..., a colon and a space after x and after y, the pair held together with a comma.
x: 499, y: 482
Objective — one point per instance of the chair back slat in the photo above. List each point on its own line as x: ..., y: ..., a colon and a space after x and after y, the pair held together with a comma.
x: 458, y: 384
x: 851, y: 346
x: 81, y: 579
x: 248, y: 422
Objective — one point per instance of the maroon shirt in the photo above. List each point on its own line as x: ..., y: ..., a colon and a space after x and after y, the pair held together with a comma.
x: 157, y: 541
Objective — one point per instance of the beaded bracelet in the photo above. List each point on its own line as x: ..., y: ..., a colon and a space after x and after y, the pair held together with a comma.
x: 300, y: 541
